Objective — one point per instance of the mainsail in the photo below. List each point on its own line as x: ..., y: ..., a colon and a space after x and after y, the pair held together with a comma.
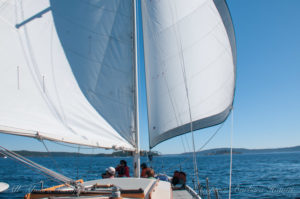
x: 189, y: 49
x: 67, y: 71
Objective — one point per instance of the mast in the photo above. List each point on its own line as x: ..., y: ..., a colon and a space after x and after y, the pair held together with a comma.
x: 136, y: 164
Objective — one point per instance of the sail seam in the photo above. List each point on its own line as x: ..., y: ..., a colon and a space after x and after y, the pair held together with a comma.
x: 203, y: 68
x: 194, y: 43
x: 84, y: 28
x: 182, y: 18
x: 107, y: 10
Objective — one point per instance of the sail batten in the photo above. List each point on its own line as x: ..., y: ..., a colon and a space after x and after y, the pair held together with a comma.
x: 189, y: 64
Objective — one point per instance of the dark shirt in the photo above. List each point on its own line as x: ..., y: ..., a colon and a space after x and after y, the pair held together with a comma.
x: 123, y: 171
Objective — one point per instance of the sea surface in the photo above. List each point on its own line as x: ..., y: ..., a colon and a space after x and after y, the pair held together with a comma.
x: 275, y: 175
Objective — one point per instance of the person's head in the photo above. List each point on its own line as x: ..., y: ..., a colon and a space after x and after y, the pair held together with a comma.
x: 150, y: 173
x: 144, y: 166
x: 123, y: 163
x: 111, y: 171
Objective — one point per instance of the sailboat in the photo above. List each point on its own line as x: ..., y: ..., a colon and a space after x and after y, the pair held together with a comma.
x: 69, y: 73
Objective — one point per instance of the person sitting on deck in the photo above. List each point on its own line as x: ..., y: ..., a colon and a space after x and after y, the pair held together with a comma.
x: 179, y: 178
x: 109, y: 173
x: 149, y: 173
x: 144, y: 169
x: 122, y: 169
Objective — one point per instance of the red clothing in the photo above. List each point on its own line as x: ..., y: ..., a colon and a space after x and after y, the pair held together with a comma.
x: 143, y: 174
x: 123, y: 171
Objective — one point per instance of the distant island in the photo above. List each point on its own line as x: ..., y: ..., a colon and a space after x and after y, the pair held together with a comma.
x: 217, y: 151
x: 222, y: 151
x: 72, y: 154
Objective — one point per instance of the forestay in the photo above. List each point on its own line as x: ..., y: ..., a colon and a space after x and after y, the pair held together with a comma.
x: 67, y: 71
x: 190, y: 65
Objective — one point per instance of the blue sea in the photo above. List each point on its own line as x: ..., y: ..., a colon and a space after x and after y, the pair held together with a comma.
x: 275, y: 175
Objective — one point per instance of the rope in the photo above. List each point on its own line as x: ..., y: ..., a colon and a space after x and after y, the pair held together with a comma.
x: 179, y: 44
x: 32, y: 164
x: 41, y: 173
x: 91, y: 170
x: 33, y: 167
x: 211, y: 137
x: 51, y: 157
x: 230, y: 171
x: 183, y: 144
x: 77, y: 161
x: 74, y: 147
x: 187, y: 142
x: 39, y: 167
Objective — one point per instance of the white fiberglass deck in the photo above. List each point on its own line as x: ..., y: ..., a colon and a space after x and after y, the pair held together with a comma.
x: 162, y: 190
x: 151, y: 187
x: 181, y: 194
x: 135, y: 188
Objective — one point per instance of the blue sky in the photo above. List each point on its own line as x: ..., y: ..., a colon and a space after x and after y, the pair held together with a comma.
x: 267, y: 99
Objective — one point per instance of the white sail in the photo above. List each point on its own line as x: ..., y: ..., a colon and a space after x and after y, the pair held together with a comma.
x: 67, y: 71
x: 189, y: 51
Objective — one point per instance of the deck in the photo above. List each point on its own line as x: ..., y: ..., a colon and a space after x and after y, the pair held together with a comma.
x: 181, y: 194
x: 126, y: 188
x: 187, y: 193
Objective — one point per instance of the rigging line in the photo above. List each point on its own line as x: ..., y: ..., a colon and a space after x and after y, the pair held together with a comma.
x: 93, y: 162
x: 183, y: 144
x: 30, y: 167
x: 37, y: 166
x: 211, y: 137
x: 51, y: 157
x: 187, y: 142
x: 21, y: 159
x: 27, y: 164
x: 231, y: 141
x: 77, y: 161
x: 74, y: 147
x: 173, y: 107
x: 179, y: 43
